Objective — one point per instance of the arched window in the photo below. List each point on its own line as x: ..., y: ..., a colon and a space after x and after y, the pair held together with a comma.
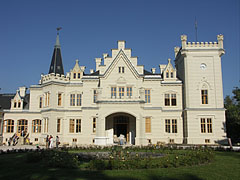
x: 9, y: 126
x: 22, y: 127
x: 36, y: 125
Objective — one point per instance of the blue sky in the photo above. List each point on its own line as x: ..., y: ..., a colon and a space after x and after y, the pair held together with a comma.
x: 90, y: 28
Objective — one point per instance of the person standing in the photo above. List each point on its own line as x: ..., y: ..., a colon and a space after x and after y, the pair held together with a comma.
x: 51, y: 142
x: 47, y: 139
x: 57, y: 141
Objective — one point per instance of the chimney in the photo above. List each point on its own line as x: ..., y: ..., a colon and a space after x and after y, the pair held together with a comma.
x: 22, y: 91
x: 121, y: 44
x: 98, y: 63
x: 153, y: 70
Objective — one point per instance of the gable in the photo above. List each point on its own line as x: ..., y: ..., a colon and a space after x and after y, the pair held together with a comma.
x: 115, y: 68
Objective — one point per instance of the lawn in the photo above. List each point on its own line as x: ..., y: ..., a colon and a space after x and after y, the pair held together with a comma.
x: 225, y: 166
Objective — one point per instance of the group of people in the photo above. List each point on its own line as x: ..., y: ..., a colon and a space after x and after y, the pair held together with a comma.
x: 13, y: 140
x: 50, y: 141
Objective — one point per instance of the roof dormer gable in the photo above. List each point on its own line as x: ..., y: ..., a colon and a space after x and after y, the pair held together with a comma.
x: 169, y: 72
x: 77, y: 72
x: 17, y: 101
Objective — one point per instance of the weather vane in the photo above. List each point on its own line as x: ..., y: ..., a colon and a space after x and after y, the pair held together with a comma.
x: 58, y: 29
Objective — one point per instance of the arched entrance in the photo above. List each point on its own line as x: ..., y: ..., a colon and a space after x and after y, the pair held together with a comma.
x: 121, y: 124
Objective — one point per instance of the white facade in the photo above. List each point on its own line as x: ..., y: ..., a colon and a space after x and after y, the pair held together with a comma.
x: 179, y: 105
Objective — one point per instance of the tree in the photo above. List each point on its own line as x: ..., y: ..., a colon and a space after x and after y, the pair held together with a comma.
x: 232, y: 106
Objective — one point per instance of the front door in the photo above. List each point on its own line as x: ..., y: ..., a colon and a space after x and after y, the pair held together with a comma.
x: 121, y: 126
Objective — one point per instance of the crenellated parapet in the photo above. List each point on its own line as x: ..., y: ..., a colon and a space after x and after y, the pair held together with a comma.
x: 53, y: 77
x: 218, y: 44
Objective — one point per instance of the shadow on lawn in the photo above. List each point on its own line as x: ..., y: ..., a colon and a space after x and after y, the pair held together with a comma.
x: 229, y: 154
x: 64, y: 174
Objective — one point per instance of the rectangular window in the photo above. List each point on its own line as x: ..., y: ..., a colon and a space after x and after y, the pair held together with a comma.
x: 19, y: 104
x: 167, y: 74
x: 121, y: 92
x: 78, y: 75
x: 167, y: 100
x: 15, y: 104
x: 94, y: 125
x: 203, y: 127
x: 148, y: 125
x: 9, y: 125
x: 129, y: 91
x: 71, y: 125
x: 59, y: 99
x: 174, y: 126
x: 74, y: 75
x: 204, y: 96
x: 94, y: 96
x: 36, y: 125
x: 78, y: 125
x: 147, y: 96
x: 167, y: 125
x: 72, y: 100
x: 173, y: 99
x: 40, y: 102
x: 79, y: 99
x: 171, y: 74
x: 58, y: 125
x: 209, y: 125
x: 113, y: 92
x: 120, y: 69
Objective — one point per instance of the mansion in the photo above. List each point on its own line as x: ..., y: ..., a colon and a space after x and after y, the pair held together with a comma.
x: 183, y: 104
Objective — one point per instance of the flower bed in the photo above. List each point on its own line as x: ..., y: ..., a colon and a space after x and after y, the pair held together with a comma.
x: 117, y: 157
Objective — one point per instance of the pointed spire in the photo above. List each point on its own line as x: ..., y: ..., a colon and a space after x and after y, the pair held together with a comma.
x: 56, y: 66
x: 57, y: 45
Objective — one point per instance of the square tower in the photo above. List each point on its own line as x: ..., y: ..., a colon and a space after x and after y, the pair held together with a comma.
x: 199, y: 67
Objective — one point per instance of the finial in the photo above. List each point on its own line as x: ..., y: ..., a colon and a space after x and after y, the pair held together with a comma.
x: 169, y: 60
x: 77, y: 61
x: 57, y: 40
x: 58, y: 29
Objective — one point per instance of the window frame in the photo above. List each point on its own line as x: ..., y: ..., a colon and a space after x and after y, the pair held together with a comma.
x: 148, y: 125
x: 36, y: 126
x: 9, y: 126
x: 204, y: 95
x: 147, y: 95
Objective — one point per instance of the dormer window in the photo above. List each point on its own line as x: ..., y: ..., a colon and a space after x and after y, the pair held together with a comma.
x: 15, y: 104
x: 74, y: 75
x: 78, y: 75
x: 19, y: 104
x: 167, y: 74
x: 171, y: 74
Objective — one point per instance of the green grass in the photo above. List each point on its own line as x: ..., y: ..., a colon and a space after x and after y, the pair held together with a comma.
x: 225, y: 166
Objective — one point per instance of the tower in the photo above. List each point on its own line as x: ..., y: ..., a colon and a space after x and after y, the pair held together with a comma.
x: 56, y: 66
x: 199, y: 67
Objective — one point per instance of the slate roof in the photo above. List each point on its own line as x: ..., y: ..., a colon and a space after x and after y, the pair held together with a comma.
x: 56, y: 66
x: 93, y: 74
x: 5, y: 101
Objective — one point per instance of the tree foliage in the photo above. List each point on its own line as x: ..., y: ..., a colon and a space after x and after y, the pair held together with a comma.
x: 232, y: 105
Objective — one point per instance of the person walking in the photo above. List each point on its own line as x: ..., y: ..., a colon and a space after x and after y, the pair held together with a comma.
x: 57, y: 141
